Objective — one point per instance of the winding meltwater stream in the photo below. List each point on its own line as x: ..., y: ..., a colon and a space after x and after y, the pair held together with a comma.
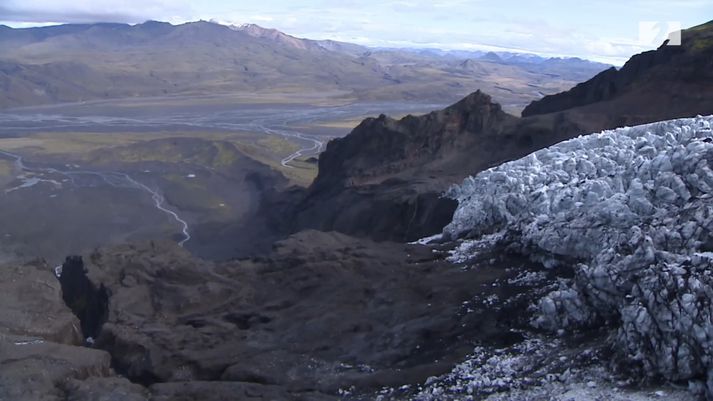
x: 112, y: 178
x: 294, y: 123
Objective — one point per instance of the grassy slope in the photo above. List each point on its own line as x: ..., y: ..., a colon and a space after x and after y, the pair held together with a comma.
x: 81, y: 147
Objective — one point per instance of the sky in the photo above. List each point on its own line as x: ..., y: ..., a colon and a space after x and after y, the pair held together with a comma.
x: 602, y: 30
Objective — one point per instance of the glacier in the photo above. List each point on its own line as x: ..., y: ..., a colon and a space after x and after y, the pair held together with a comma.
x: 629, y: 213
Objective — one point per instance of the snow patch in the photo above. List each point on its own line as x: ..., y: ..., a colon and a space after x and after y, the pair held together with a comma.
x: 469, y: 249
x: 537, y: 369
x: 427, y: 240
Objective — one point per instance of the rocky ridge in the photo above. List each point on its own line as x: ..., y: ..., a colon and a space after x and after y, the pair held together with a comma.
x: 384, y: 180
x: 671, y: 69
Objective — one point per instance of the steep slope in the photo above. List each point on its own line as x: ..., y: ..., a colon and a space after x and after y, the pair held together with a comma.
x: 274, y: 35
x: 385, y: 178
x: 680, y: 73
x: 156, y: 59
x: 382, y: 148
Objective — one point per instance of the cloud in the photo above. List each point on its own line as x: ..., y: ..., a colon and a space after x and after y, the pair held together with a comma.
x: 27, y: 17
x: 86, y: 11
x: 605, y: 30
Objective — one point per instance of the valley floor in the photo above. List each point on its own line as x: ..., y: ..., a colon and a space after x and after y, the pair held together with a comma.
x: 209, y: 159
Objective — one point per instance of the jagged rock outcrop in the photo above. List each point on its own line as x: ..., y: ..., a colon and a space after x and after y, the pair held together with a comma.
x: 38, y: 337
x: 87, y: 301
x: 31, y: 299
x: 385, y: 179
x: 382, y: 148
x: 173, y: 318
x: 322, y: 313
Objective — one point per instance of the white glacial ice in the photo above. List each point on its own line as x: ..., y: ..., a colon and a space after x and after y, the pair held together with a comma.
x: 631, y: 210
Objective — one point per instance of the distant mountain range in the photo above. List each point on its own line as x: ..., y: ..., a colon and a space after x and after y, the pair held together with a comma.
x: 69, y: 63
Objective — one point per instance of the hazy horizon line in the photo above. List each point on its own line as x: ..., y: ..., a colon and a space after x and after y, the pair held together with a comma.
x: 365, y: 42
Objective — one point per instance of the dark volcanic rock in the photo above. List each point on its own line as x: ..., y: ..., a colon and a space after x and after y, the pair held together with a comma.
x: 31, y: 299
x: 105, y: 389
x: 322, y: 312
x: 382, y: 148
x: 89, y: 303
x: 221, y: 391
x: 35, y: 369
x: 383, y: 180
x: 394, y: 210
x: 37, y: 333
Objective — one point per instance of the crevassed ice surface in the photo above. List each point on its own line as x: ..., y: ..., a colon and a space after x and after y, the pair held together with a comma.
x: 632, y: 211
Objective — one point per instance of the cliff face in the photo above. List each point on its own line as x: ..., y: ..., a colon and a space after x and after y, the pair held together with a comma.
x: 382, y: 148
x: 385, y: 179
